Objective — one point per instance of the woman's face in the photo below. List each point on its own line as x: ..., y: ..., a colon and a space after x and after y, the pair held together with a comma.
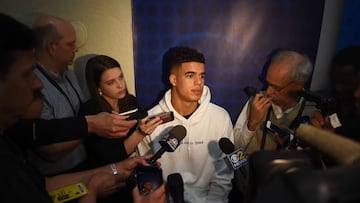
x: 113, y: 84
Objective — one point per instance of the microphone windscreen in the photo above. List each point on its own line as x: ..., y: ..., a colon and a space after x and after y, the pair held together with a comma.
x: 341, y: 149
x: 178, y: 131
x: 175, y: 182
x: 250, y: 91
x: 226, y: 145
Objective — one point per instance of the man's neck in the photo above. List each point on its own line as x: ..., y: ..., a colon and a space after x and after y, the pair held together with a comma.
x: 49, y: 65
x: 182, y: 107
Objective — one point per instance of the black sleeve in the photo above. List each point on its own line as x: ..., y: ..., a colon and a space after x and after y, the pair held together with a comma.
x: 36, y: 132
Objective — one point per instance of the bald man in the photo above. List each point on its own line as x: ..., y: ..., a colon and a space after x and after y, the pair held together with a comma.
x: 55, y: 51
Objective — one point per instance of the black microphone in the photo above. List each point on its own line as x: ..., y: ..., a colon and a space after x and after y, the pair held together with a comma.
x: 226, y: 145
x: 169, y: 142
x: 327, y: 105
x: 236, y: 158
x: 281, y: 131
x: 251, y: 91
x: 175, y: 186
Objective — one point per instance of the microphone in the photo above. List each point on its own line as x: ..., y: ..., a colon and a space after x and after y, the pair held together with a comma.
x: 169, y: 142
x: 314, y: 97
x: 327, y: 106
x: 236, y: 158
x: 324, y: 103
x: 175, y: 186
x: 343, y: 150
x: 251, y: 91
x: 281, y: 131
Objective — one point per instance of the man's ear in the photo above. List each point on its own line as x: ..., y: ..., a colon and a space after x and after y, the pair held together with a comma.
x: 50, y: 46
x: 172, y: 79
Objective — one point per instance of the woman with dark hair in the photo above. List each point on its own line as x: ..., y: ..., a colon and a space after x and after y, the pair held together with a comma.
x: 108, y: 91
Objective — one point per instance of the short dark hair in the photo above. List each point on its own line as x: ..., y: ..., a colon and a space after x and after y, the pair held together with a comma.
x: 14, y: 36
x: 175, y: 56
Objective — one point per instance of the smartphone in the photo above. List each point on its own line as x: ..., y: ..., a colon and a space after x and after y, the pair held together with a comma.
x: 137, y: 115
x: 148, y: 179
x: 164, y: 116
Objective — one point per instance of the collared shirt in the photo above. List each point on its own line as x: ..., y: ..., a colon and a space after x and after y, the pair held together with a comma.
x: 242, y: 134
x: 56, y: 105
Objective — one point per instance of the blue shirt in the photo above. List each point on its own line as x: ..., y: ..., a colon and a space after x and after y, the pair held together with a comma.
x: 57, y: 105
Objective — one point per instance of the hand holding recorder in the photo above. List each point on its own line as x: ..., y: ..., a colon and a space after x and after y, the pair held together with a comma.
x: 259, y: 107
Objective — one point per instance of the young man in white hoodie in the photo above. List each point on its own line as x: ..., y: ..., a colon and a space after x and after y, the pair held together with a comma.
x: 198, y: 159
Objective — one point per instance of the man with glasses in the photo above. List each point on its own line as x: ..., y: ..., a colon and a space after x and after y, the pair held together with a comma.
x: 287, y: 73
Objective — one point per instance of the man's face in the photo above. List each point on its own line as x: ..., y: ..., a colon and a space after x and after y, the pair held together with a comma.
x: 17, y: 88
x: 188, y: 81
x: 281, y: 89
x: 66, y: 48
x: 345, y: 81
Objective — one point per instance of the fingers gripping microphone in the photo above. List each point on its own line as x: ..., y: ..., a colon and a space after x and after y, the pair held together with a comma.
x: 175, y: 186
x: 327, y: 106
x: 169, y: 142
x: 281, y: 131
x: 237, y: 158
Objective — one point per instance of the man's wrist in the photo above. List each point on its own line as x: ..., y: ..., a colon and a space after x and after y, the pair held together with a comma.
x: 89, y: 122
x: 251, y: 127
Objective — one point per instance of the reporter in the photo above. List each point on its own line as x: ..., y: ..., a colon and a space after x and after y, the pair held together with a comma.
x: 345, y: 75
x: 19, y: 180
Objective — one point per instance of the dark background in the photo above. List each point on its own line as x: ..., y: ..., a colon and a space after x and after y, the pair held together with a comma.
x: 236, y: 37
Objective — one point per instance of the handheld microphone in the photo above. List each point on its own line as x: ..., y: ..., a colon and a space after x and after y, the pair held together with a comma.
x: 314, y: 97
x: 251, y: 91
x: 169, y: 142
x: 175, y: 186
x: 282, y: 132
x: 327, y: 106
x: 236, y: 158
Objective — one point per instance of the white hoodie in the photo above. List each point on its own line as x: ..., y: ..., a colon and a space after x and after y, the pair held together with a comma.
x: 198, y: 159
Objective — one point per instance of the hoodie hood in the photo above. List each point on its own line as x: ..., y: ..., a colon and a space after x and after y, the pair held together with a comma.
x: 204, y: 101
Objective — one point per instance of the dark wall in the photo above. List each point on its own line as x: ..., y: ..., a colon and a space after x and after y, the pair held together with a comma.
x: 236, y: 37
x: 350, y: 26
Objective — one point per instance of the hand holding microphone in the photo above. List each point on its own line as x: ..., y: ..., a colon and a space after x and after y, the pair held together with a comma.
x: 259, y: 107
x: 169, y: 142
x: 327, y: 106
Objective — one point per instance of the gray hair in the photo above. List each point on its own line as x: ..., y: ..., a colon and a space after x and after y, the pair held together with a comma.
x: 301, y: 65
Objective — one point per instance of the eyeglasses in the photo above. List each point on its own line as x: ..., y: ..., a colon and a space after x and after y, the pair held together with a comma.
x: 277, y: 88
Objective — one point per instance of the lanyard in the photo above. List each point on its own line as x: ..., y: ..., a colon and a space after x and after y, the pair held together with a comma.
x: 56, y: 85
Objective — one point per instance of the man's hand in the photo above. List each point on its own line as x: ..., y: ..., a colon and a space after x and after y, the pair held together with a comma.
x: 320, y: 122
x: 158, y: 196
x: 259, y: 108
x: 109, y: 125
x: 127, y: 166
x: 99, y: 185
x: 146, y: 126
